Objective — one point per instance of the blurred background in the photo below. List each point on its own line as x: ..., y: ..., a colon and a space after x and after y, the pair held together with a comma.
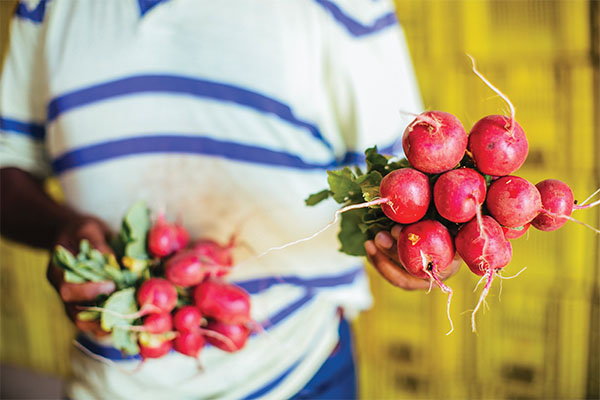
x: 540, y: 336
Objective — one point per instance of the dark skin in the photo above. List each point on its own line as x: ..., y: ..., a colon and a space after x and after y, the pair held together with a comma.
x: 32, y: 217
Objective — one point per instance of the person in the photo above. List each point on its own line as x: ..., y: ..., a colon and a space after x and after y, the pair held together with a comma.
x: 223, y: 114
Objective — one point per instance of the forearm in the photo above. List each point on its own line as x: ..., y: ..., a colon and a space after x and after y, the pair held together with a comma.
x: 27, y: 213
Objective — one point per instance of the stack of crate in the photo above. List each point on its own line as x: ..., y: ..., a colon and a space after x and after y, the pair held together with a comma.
x: 540, y: 338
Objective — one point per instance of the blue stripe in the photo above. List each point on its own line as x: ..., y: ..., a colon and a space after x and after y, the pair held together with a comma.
x: 354, y: 27
x: 146, y: 5
x: 287, y: 311
x: 35, y: 15
x: 36, y: 131
x: 100, y: 152
x: 258, y: 285
x: 180, y: 85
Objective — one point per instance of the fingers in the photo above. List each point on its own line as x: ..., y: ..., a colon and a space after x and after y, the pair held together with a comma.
x: 391, y: 271
x: 84, y: 292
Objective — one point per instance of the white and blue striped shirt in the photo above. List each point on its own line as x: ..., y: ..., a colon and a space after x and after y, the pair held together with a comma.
x: 225, y: 114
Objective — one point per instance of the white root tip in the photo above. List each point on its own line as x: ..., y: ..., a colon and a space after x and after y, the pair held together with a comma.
x: 495, y: 89
x: 589, y: 198
x: 329, y: 225
x: 582, y: 223
x: 484, y: 293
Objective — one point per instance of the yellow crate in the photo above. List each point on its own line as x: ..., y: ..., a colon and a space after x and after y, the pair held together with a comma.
x: 534, y: 346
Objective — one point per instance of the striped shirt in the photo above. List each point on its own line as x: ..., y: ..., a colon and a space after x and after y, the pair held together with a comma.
x: 225, y: 114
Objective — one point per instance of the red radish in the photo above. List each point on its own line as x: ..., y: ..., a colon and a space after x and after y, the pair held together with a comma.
x: 162, y: 238
x: 513, y: 201
x: 515, y: 233
x: 231, y: 338
x: 185, y: 269
x: 405, y: 194
x: 182, y: 237
x: 458, y: 194
x: 222, y: 301
x: 213, y: 251
x: 434, y: 142
x: 155, y: 350
x: 158, y: 323
x: 189, y: 343
x: 485, y: 250
x: 498, y: 145
x: 156, y: 295
x: 187, y: 319
x: 557, y: 205
x: 425, y: 248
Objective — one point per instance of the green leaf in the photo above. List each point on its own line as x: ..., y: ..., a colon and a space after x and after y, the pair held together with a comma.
x: 137, y: 221
x: 84, y: 247
x: 342, y: 184
x: 89, y: 274
x: 117, y: 306
x: 375, y: 161
x: 316, y: 198
x: 369, y: 185
x: 63, y: 258
x: 73, y: 277
x: 125, y: 341
x: 351, y: 238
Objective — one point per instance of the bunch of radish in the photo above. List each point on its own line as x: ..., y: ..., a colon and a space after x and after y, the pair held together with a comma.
x: 453, y: 193
x: 172, y: 294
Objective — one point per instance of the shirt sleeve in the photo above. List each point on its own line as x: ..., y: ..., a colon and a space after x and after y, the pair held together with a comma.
x: 23, y: 92
x: 370, y: 75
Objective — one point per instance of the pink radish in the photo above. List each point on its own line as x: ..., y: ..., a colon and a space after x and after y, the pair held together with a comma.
x: 156, y: 295
x: 557, y: 205
x: 158, y: 323
x: 513, y: 201
x: 434, y: 142
x: 155, y: 350
x: 185, y: 269
x: 485, y: 250
x: 515, y: 233
x: 162, y: 238
x: 182, y: 237
x: 498, y: 145
x: 425, y: 248
x: 404, y: 195
x: 232, y: 336
x: 215, y: 252
x: 187, y: 319
x: 458, y: 194
x: 189, y: 343
x: 222, y: 301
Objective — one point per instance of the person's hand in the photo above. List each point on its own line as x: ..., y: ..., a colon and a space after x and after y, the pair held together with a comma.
x: 76, y: 295
x: 383, y: 255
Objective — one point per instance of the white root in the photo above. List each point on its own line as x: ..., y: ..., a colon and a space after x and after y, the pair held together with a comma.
x: 495, y: 89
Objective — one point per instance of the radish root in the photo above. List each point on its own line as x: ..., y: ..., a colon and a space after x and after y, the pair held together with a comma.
x: 433, y: 275
x: 490, y: 277
x: 498, y: 92
x: 335, y: 219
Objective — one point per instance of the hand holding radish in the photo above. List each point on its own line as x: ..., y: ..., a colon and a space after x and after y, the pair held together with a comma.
x: 73, y: 294
x: 382, y: 253
x: 455, y: 195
